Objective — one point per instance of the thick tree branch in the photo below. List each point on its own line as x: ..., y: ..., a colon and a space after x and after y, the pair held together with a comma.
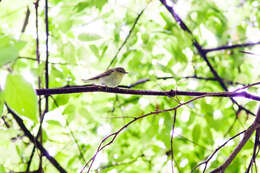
x: 170, y: 93
x: 34, y: 141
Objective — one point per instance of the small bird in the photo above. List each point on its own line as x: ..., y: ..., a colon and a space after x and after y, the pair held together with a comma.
x: 110, y: 78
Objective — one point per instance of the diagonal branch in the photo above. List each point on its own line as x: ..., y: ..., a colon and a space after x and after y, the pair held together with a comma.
x: 34, y: 141
x: 247, y: 135
x: 232, y: 47
x: 172, y: 133
x: 127, y: 37
x: 202, y: 53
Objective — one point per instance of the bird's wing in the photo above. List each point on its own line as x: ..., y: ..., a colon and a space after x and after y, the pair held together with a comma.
x: 106, y: 73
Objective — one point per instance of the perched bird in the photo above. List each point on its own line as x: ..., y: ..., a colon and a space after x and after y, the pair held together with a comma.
x: 110, y: 78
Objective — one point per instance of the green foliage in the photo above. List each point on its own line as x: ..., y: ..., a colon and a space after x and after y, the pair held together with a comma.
x: 9, y: 49
x: 84, y: 36
x: 21, y: 97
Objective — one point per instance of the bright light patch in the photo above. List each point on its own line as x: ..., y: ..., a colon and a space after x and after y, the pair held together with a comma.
x: 3, y: 78
x: 208, y: 100
x: 124, y: 31
x: 177, y: 132
x: 182, y: 8
x: 183, y: 162
x: 161, y: 121
x: 29, y: 77
x: 177, y: 67
x: 113, y: 171
x: 104, y: 130
x: 143, y: 102
x: 160, y: 144
x: 252, y: 34
x: 255, y: 4
x: 218, y: 142
x: 188, y: 52
x: 115, y: 156
x: 208, y: 36
x: 192, y: 84
x: 101, y: 159
x: 185, y: 115
x: 217, y: 114
x: 52, y: 150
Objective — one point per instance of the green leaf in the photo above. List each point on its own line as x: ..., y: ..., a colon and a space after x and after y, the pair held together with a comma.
x: 94, y: 49
x: 2, y: 168
x: 9, y: 49
x: 196, y: 133
x: 89, y: 37
x: 21, y: 97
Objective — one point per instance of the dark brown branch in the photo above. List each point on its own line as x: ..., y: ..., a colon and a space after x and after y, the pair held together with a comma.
x: 36, y: 5
x: 202, y: 53
x: 216, y: 150
x: 34, y: 141
x: 172, y: 133
x: 170, y: 93
x: 47, y: 56
x: 25, y: 23
x: 142, y: 81
x: 232, y: 47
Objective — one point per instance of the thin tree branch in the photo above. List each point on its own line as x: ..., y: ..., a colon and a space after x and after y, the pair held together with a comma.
x: 25, y: 23
x: 142, y: 81
x: 216, y: 150
x: 254, y: 154
x: 232, y: 46
x: 115, y: 134
x: 202, y: 53
x: 127, y: 37
x: 172, y: 133
x: 36, y: 5
x: 247, y: 135
x: 47, y: 57
x: 76, y: 142
x: 34, y: 141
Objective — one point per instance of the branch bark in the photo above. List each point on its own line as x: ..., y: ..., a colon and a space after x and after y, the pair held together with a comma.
x: 170, y: 93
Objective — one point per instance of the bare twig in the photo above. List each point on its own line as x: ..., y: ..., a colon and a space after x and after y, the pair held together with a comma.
x: 142, y: 81
x: 216, y: 150
x: 76, y: 142
x: 115, y: 134
x: 232, y: 46
x: 127, y: 37
x: 36, y: 5
x: 25, y: 23
x: 247, y: 135
x: 172, y: 133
